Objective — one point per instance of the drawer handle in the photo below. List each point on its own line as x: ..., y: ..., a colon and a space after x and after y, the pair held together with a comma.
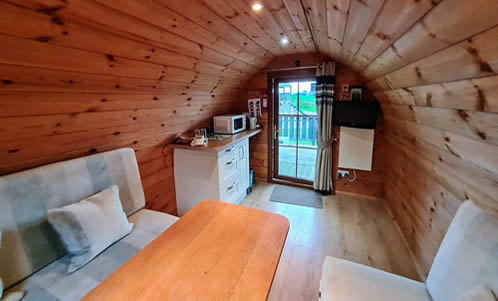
x: 230, y: 162
x: 231, y: 186
x: 230, y: 149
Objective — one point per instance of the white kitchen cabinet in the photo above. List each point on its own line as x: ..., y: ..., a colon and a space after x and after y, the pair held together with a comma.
x: 211, y: 175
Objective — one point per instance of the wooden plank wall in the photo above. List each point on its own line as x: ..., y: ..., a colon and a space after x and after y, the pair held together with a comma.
x: 367, y: 183
x: 439, y: 96
x: 83, y: 77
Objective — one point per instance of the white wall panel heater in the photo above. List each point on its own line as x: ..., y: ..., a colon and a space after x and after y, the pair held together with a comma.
x: 356, y: 148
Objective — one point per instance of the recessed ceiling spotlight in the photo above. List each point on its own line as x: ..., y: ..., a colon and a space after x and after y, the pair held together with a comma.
x: 257, y: 6
x: 284, y: 41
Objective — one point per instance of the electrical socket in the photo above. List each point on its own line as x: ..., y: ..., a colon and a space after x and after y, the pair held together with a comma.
x: 343, y: 173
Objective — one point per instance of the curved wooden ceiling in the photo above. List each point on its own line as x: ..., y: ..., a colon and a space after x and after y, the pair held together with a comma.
x: 227, y: 39
x: 375, y: 37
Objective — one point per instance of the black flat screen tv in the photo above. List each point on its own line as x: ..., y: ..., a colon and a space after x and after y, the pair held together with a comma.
x: 355, y: 114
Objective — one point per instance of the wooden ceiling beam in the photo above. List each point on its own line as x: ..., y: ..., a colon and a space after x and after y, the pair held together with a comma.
x: 271, y: 26
x: 298, y: 16
x: 477, y: 94
x: 316, y: 14
x: 197, y: 12
x: 280, y: 13
x: 448, y: 23
x: 154, y: 13
x: 395, y: 18
x: 362, y: 15
x: 39, y: 27
x: 337, y: 16
x: 474, y: 57
x: 238, y: 15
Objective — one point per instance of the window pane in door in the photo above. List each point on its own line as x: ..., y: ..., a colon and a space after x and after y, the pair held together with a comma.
x: 307, y: 99
x: 287, y: 113
x: 307, y: 146
x: 306, y: 159
x: 287, y: 161
x: 287, y: 98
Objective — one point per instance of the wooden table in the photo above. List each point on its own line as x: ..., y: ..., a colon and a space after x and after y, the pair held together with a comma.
x: 217, y: 251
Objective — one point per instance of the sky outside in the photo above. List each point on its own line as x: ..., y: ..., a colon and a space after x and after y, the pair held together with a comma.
x: 303, y: 86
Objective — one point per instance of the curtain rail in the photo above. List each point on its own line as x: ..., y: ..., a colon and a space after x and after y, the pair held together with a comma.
x: 288, y: 69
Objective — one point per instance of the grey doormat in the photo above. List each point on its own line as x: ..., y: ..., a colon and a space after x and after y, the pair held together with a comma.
x: 296, y: 196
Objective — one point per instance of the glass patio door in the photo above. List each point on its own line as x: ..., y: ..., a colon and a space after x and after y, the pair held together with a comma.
x: 295, y: 130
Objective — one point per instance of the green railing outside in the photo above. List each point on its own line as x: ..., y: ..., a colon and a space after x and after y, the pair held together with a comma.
x: 290, y: 126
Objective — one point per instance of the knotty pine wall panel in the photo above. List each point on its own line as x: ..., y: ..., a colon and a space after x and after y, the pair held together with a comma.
x: 83, y: 77
x: 441, y: 124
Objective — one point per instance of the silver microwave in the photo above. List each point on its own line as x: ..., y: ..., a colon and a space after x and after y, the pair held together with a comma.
x: 229, y: 124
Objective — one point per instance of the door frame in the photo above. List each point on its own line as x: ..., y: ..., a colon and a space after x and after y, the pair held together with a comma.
x: 273, y: 79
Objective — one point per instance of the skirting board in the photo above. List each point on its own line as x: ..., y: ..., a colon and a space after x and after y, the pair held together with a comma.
x: 359, y: 195
x: 258, y: 179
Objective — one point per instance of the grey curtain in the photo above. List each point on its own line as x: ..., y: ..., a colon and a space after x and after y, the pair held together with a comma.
x: 325, y: 84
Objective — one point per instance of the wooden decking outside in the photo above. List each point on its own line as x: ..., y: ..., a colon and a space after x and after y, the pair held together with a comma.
x: 360, y: 230
x: 306, y: 160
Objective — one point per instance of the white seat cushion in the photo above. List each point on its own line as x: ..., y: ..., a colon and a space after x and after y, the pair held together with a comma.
x: 149, y: 221
x: 468, y: 256
x: 343, y: 280
x: 479, y: 293
x: 53, y: 283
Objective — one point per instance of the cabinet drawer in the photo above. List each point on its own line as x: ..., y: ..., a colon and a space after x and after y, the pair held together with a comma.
x: 230, y: 188
x: 228, y: 167
x: 227, y: 152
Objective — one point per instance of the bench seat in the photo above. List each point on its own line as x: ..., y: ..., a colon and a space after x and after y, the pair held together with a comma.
x: 53, y: 283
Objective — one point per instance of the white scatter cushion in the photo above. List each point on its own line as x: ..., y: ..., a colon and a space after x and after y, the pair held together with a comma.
x: 91, y: 225
x: 479, y: 293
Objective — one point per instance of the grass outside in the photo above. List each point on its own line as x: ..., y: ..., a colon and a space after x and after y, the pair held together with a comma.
x: 307, y: 103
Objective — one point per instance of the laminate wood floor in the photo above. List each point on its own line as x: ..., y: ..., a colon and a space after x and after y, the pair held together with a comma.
x: 360, y: 230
